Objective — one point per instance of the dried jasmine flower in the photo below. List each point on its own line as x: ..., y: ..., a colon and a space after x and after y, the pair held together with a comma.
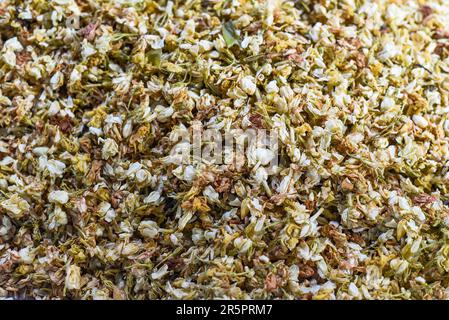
x: 224, y: 149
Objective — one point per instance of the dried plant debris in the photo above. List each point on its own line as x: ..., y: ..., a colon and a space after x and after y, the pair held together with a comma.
x: 94, y: 95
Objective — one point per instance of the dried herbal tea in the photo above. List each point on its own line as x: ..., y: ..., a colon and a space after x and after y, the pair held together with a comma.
x: 224, y: 149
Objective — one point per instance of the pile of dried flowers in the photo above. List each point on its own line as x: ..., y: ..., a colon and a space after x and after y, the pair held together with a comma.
x: 94, y: 95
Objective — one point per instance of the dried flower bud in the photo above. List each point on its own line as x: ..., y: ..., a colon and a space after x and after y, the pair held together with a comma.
x: 73, y: 278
